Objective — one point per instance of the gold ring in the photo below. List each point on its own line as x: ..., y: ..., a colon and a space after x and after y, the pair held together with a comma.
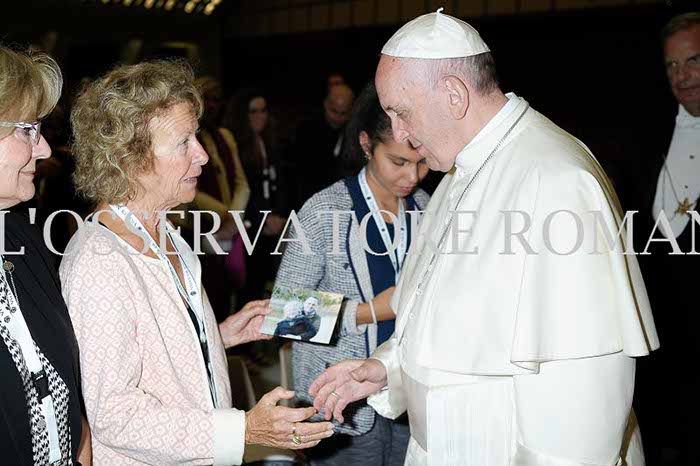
x: 295, y: 438
x: 335, y: 394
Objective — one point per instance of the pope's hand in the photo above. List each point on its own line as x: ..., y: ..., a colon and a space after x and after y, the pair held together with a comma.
x: 346, y: 382
x: 281, y: 427
x: 244, y: 325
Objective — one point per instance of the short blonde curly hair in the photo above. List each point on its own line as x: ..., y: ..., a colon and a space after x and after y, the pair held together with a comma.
x: 30, y: 86
x: 112, y: 142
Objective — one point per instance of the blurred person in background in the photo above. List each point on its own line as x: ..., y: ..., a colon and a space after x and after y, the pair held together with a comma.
x: 334, y: 78
x: 248, y: 116
x: 319, y: 141
x: 669, y: 411
x: 222, y: 187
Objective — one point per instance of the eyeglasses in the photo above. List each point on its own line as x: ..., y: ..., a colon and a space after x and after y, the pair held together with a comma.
x: 31, y: 130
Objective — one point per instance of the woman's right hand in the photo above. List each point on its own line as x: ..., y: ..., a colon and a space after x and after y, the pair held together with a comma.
x: 275, y: 426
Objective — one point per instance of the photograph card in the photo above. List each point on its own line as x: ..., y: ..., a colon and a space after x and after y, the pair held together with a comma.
x: 304, y: 315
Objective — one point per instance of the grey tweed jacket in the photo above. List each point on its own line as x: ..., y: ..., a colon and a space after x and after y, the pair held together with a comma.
x: 343, y: 271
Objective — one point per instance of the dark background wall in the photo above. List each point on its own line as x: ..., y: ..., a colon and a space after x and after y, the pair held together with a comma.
x: 595, y: 70
x: 588, y: 69
x: 598, y: 73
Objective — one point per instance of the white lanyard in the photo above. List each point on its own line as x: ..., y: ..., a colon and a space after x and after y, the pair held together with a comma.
x: 401, y: 230
x: 19, y: 331
x: 265, y: 170
x: 190, y: 292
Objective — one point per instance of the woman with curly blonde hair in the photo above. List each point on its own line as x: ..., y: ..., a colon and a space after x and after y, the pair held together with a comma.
x: 154, y: 367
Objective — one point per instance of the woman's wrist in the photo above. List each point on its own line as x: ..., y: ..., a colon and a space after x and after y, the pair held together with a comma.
x: 363, y: 315
x: 382, y: 312
x: 247, y: 438
x: 228, y: 340
x: 372, y: 312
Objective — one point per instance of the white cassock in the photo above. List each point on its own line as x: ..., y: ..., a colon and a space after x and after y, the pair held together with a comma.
x: 518, y: 359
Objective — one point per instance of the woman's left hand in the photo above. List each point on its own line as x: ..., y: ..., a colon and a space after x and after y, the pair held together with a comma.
x: 244, y: 325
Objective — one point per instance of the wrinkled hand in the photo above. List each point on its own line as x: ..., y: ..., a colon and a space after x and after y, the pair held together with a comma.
x: 346, y: 382
x: 244, y: 325
x: 272, y: 425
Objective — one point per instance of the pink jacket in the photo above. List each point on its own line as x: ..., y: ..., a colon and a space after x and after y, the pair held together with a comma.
x: 143, y: 375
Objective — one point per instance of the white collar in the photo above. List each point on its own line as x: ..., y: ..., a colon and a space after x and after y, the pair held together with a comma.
x: 503, y: 113
x: 686, y: 120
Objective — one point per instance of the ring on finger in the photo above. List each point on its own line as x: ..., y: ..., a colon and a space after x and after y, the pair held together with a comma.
x: 335, y: 394
x: 296, y: 439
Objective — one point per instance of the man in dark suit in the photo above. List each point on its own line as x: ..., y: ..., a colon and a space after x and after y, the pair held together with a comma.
x: 319, y: 143
x: 667, y: 396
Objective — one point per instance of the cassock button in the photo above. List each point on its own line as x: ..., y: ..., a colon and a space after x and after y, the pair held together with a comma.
x: 692, y: 157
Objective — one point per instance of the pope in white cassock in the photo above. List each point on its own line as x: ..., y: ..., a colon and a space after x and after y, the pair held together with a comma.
x: 519, y: 318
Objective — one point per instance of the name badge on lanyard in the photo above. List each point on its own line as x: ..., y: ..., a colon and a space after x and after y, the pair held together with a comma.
x: 396, y: 255
x: 190, y: 291
x: 18, y: 329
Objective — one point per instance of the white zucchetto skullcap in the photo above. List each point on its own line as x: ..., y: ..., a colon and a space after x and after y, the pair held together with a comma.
x: 435, y: 36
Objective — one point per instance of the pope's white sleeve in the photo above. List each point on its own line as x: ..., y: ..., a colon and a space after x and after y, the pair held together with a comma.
x: 390, y: 402
x: 574, y: 412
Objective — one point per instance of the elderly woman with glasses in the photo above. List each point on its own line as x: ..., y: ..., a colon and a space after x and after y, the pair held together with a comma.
x: 155, y: 377
x: 40, y: 421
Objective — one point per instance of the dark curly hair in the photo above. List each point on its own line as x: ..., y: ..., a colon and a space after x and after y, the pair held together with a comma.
x: 368, y: 116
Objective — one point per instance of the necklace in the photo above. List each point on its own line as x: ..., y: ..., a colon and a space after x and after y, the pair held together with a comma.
x: 443, y: 236
x: 685, y: 205
x: 45, y: 393
x: 9, y: 267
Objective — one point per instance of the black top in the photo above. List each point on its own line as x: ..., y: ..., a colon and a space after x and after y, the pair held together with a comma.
x: 47, y: 317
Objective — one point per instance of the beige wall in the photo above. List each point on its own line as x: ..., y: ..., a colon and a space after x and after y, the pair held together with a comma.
x: 263, y: 17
